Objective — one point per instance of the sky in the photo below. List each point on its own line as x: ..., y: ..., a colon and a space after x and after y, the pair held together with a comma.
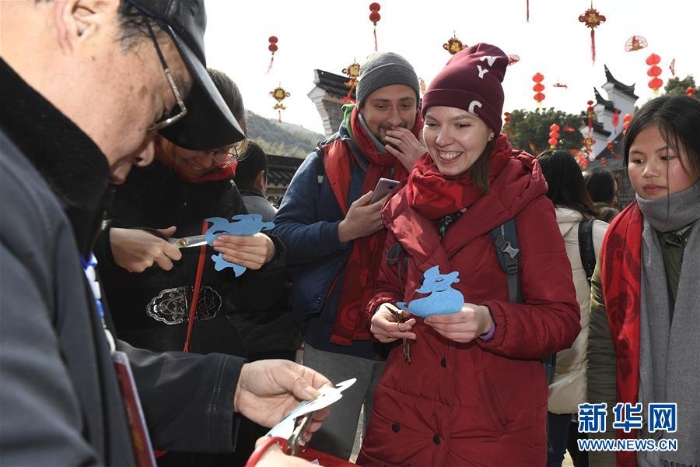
x: 331, y: 34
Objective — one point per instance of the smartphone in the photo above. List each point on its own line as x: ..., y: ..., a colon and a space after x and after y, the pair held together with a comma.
x: 383, y: 188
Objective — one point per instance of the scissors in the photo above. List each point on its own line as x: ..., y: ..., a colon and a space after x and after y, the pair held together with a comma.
x: 293, y: 425
x: 184, y: 242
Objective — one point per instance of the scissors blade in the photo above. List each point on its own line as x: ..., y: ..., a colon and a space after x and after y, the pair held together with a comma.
x: 188, y: 242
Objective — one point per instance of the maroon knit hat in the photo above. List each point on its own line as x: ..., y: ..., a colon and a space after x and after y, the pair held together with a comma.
x: 471, y: 81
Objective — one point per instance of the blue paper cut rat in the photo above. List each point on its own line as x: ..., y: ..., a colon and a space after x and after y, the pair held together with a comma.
x: 240, y: 224
x: 443, y: 299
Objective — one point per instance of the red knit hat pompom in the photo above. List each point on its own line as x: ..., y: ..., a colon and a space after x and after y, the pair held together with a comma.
x: 471, y: 81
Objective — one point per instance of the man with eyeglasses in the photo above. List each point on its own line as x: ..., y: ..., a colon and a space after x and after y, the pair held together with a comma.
x: 84, y: 85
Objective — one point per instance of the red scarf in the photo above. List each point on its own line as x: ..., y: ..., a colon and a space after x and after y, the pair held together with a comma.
x: 365, y: 258
x: 434, y: 196
x: 218, y: 173
x: 620, y: 275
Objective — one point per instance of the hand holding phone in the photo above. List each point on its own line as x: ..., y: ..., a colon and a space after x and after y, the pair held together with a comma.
x: 383, y: 188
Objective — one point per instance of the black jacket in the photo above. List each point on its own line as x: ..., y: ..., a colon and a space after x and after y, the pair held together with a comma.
x: 59, y: 397
x: 155, y: 196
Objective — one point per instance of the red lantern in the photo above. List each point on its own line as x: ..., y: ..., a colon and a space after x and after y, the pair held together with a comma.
x: 538, y: 88
x: 374, y: 17
x: 508, y: 130
x: 553, y: 135
x: 616, y: 118
x: 353, y: 71
x: 690, y: 91
x: 589, y: 113
x: 272, y: 48
x: 279, y: 94
x: 581, y: 159
x: 654, y: 71
x: 626, y: 123
x: 453, y: 45
x: 592, y: 19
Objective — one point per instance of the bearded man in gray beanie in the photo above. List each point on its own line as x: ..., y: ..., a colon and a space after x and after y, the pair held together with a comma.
x: 335, y: 236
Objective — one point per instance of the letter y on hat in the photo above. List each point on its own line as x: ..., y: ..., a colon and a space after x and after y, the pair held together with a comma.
x: 471, y: 81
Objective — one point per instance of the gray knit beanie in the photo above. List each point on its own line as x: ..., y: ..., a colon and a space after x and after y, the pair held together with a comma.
x: 384, y: 69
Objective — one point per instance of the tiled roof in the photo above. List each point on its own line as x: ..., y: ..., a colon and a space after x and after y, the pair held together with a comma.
x: 333, y: 84
x: 281, y: 169
x: 624, y: 88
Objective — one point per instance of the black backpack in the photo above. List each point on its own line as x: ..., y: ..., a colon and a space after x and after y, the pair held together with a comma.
x: 585, y: 247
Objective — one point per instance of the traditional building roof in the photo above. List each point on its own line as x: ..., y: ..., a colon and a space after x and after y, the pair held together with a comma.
x: 623, y: 88
x: 333, y: 84
x: 281, y: 170
x: 609, y: 105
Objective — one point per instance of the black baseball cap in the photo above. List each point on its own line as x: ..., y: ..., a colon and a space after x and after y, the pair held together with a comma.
x: 209, y: 122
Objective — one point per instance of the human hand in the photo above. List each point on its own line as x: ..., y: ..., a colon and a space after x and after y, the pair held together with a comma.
x: 137, y: 250
x: 386, y: 328
x: 465, y: 325
x: 268, y: 390
x: 362, y: 219
x: 250, y: 251
x: 403, y: 145
x: 273, y: 456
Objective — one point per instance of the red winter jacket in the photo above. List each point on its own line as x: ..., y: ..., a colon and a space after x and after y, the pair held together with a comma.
x: 480, y: 403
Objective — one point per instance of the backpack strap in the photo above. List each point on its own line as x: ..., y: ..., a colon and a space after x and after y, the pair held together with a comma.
x: 586, y: 248
x: 505, y: 239
x: 320, y: 166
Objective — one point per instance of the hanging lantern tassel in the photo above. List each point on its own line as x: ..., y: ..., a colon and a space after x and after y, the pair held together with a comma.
x: 374, y: 17
x: 527, y: 10
x: 279, y: 95
x: 272, y: 48
x: 592, y: 19
x: 589, y: 113
x: 352, y: 71
x: 453, y: 45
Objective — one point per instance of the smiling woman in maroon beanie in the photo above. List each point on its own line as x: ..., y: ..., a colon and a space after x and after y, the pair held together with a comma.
x: 473, y: 391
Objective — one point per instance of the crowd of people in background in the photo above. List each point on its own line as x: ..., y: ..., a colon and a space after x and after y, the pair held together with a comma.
x: 478, y: 305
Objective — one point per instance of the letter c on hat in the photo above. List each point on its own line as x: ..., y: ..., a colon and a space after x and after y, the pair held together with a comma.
x: 472, y: 105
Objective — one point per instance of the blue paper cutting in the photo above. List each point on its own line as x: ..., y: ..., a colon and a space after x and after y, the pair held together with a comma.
x: 241, y: 225
x: 442, y: 298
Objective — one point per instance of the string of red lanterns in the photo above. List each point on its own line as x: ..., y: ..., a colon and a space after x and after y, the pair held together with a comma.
x: 654, y: 71
x: 553, y: 135
x: 538, y: 88
x: 374, y: 17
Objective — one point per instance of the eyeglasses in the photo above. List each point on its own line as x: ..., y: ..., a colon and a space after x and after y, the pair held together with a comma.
x: 179, y: 111
x: 224, y: 155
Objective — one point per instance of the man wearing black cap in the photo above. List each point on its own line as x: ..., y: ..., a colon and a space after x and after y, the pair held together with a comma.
x: 84, y: 86
x: 335, y: 235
